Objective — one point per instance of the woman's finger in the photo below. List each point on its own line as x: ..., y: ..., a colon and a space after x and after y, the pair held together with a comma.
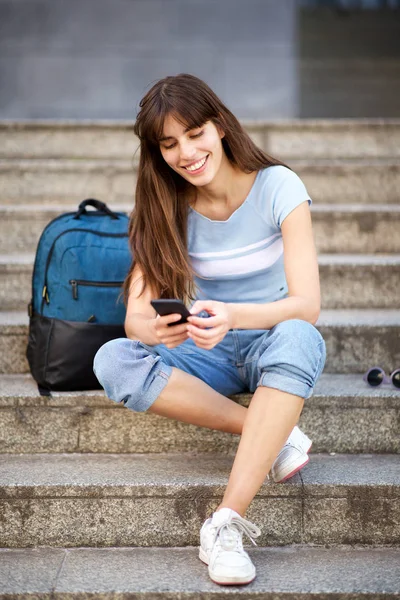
x: 206, y: 335
x: 203, y: 322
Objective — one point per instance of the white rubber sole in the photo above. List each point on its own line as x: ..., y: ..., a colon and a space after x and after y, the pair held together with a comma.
x: 292, y: 468
x: 236, y: 580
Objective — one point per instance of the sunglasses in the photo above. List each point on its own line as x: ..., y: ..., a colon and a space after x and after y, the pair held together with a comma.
x: 376, y: 376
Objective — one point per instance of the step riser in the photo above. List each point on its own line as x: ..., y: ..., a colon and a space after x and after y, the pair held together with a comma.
x: 72, y: 185
x: 291, y: 139
x: 108, y: 518
x: 349, y: 349
x: 351, y: 233
x: 342, y: 286
x: 330, y: 183
x: 109, y: 429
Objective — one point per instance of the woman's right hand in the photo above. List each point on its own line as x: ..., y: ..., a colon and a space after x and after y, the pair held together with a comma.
x: 170, y: 336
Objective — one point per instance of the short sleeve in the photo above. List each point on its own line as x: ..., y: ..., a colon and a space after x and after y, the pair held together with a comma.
x: 288, y: 191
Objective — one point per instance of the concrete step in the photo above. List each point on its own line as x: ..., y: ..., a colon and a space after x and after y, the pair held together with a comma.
x: 355, y: 340
x: 63, y: 181
x: 344, y: 415
x: 294, y: 138
x: 341, y: 228
x: 347, y: 281
x: 178, y: 574
x: 163, y: 499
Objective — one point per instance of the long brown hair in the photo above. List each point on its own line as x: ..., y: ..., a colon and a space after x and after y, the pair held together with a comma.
x: 158, y: 223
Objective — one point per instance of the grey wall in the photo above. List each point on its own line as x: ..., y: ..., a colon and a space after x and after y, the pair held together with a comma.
x: 349, y: 63
x: 96, y: 58
x: 265, y: 58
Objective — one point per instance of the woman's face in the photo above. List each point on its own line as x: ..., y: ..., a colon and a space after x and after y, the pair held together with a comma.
x: 195, y: 154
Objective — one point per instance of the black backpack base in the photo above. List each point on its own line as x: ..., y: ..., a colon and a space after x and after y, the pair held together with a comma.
x: 53, y: 365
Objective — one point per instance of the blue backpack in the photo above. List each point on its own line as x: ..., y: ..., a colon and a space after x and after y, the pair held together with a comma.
x: 82, y: 260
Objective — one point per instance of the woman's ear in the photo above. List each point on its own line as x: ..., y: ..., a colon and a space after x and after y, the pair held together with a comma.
x: 220, y: 131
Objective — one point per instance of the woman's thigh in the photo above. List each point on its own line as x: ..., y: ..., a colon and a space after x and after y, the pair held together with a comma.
x: 135, y: 373
x: 215, y: 367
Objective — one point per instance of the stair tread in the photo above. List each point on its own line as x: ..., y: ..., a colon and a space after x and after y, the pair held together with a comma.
x: 27, y: 259
x: 175, y: 572
x: 349, y: 387
x: 127, y: 163
x: 33, y: 207
x: 328, y: 317
x: 145, y: 475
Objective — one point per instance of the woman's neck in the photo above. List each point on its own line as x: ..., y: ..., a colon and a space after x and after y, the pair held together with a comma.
x: 229, y: 189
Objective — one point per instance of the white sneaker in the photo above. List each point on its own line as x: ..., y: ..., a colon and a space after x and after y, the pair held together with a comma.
x: 221, y: 547
x: 292, y: 457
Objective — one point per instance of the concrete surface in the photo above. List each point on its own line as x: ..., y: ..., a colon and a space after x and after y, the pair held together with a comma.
x: 177, y: 573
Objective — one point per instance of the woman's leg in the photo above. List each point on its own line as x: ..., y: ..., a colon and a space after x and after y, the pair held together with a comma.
x: 187, y: 385
x: 270, y: 418
x: 291, y: 360
x: 186, y: 398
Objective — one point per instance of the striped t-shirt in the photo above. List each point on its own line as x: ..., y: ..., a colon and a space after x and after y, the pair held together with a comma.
x: 241, y: 259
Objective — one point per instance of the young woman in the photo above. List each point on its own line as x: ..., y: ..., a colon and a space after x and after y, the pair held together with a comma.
x: 219, y: 223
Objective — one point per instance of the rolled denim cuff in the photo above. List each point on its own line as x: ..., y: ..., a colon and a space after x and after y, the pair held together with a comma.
x: 153, y: 390
x: 286, y: 384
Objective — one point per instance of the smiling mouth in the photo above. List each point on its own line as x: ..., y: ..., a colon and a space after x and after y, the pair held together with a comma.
x: 197, y: 166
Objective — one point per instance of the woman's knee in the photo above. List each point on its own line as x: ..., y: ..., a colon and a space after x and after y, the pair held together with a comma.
x: 107, y: 360
x: 126, y: 376
x: 296, y: 347
x: 299, y: 333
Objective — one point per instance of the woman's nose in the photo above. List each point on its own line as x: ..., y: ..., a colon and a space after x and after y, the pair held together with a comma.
x: 187, y: 151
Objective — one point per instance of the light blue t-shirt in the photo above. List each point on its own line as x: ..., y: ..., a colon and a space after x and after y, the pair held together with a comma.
x: 241, y: 259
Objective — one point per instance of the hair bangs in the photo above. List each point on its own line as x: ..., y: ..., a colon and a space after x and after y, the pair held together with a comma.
x: 190, y: 115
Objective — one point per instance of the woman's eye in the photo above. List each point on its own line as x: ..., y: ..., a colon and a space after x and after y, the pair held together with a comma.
x: 192, y: 136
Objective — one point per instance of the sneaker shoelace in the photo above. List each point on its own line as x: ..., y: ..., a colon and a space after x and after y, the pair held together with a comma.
x: 230, y: 533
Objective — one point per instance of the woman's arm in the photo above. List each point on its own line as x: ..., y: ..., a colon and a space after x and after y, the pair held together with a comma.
x: 139, y: 312
x: 302, y: 276
x: 142, y: 322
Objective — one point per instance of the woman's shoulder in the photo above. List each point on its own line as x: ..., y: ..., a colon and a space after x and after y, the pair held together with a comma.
x: 280, y: 190
x: 277, y: 173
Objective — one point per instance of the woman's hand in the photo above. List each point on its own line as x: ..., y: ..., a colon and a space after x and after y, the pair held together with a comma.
x: 220, y: 322
x: 170, y: 336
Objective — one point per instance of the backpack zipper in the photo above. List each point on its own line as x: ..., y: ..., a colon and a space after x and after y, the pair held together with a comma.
x: 45, y: 291
x: 75, y: 282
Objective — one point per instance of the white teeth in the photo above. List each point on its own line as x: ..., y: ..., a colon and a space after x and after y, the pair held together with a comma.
x: 196, y: 165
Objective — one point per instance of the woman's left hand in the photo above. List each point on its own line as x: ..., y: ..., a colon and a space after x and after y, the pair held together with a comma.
x: 220, y: 322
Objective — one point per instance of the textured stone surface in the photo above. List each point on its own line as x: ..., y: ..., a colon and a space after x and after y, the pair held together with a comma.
x: 341, y: 229
x: 338, y: 511
x: 347, y: 281
x: 116, y: 500
x: 294, y: 138
x: 53, y: 181
x: 343, y: 415
x: 135, y: 522
x: 356, y: 340
x: 345, y: 182
x: 24, y: 429
x: 177, y: 573
x: 335, y: 138
x: 34, y: 571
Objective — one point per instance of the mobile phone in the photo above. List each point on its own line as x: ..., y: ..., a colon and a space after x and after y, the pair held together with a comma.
x: 166, y: 306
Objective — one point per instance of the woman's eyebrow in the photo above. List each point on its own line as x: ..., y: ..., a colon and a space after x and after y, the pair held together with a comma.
x: 164, y: 139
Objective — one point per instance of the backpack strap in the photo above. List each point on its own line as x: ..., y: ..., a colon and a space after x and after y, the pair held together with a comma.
x: 99, y: 206
x: 44, y: 391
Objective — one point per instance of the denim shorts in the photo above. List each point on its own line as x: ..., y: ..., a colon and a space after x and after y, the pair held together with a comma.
x: 289, y: 357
